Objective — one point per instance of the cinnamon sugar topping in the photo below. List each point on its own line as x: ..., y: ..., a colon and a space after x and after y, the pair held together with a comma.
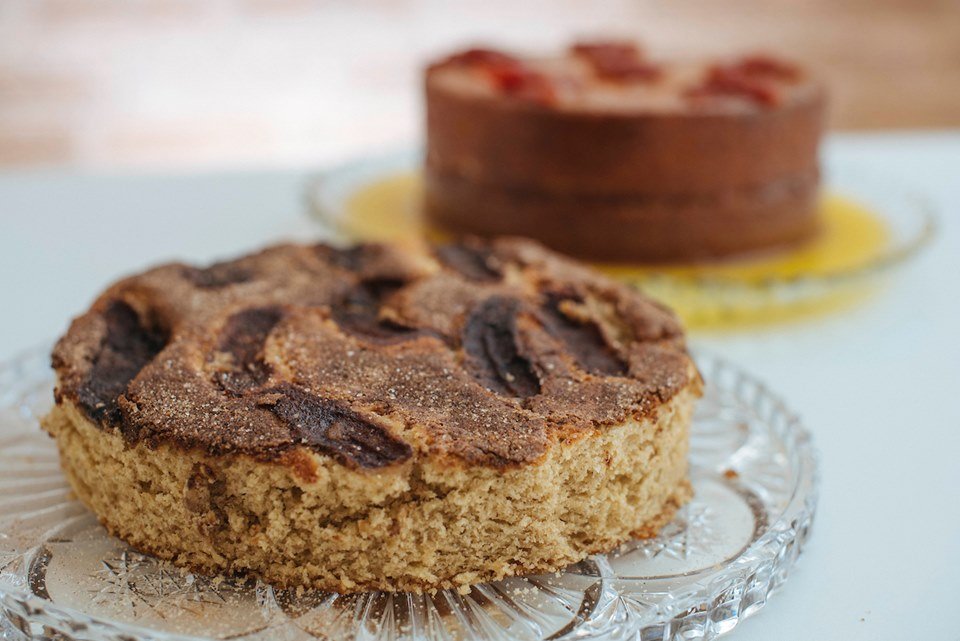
x: 478, y: 352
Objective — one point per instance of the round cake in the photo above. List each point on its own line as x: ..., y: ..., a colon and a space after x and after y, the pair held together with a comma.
x: 607, y: 155
x: 376, y: 417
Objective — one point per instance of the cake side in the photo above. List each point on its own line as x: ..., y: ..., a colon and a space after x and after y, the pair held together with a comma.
x: 417, y: 527
x: 648, y: 229
x: 500, y: 142
x: 730, y: 146
x: 675, y: 132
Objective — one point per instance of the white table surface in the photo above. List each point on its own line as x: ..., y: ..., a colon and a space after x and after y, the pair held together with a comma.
x: 879, y: 385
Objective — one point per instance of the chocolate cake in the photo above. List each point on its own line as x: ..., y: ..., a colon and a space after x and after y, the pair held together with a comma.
x: 608, y: 155
x: 374, y: 417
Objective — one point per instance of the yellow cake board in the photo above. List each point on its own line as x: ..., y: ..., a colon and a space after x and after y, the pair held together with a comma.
x: 721, y: 295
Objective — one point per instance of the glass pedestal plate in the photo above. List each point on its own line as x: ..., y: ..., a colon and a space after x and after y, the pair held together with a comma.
x: 754, y: 474
x: 869, y: 225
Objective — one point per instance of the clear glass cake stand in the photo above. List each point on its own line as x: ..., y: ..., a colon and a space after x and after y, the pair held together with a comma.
x: 870, y: 226
x: 753, y: 469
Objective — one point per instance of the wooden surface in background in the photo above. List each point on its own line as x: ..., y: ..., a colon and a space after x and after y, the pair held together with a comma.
x: 177, y: 83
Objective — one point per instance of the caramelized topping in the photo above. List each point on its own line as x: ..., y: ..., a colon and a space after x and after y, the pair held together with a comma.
x: 358, y: 313
x: 242, y: 340
x: 583, y: 338
x: 472, y: 260
x: 127, y: 347
x: 354, y: 259
x: 618, y: 61
x: 492, y: 344
x: 335, y: 429
x: 218, y: 275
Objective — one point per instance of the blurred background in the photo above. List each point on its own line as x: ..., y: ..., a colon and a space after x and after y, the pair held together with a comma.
x: 168, y: 84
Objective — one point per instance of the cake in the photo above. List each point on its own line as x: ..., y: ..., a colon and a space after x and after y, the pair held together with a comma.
x: 610, y: 156
x: 376, y: 417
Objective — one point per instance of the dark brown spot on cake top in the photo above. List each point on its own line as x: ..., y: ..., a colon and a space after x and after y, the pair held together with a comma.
x: 335, y: 429
x: 583, y: 339
x: 320, y: 343
x: 358, y: 313
x: 242, y: 340
x: 128, y: 345
x: 350, y: 258
x: 218, y: 275
x: 471, y: 259
x: 492, y: 343
x: 371, y: 262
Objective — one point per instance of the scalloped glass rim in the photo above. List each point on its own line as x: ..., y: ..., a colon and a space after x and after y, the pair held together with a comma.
x: 910, y: 216
x: 753, y: 466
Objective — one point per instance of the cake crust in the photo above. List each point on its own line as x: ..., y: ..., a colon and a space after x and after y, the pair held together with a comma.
x: 310, y: 414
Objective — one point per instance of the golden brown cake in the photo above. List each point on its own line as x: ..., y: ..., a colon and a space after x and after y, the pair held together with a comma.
x: 608, y: 155
x: 376, y: 417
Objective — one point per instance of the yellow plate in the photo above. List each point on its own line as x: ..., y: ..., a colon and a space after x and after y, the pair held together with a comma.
x: 866, y: 226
